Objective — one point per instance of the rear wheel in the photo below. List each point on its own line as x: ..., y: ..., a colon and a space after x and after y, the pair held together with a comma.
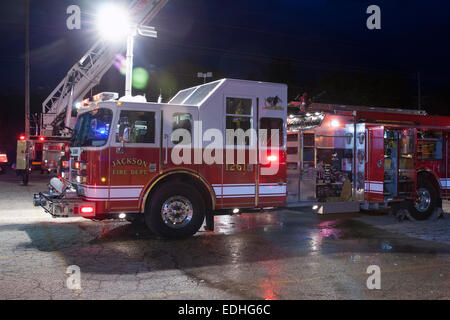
x: 175, y: 211
x: 426, y: 200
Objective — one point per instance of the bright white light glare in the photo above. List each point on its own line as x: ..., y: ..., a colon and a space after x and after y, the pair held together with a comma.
x: 315, y: 207
x: 236, y: 210
x: 334, y: 123
x: 122, y: 216
x: 113, y: 23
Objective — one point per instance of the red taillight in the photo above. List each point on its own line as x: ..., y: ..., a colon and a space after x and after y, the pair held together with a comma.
x: 272, y: 158
x: 22, y: 137
x: 87, y: 209
x: 41, y: 138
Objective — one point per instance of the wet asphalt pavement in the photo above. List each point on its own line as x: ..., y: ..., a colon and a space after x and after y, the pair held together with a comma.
x: 281, y: 254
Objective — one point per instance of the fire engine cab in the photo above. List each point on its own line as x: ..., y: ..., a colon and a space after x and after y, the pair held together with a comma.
x: 175, y: 164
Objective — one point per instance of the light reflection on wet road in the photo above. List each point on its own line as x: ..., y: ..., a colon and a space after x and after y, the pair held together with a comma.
x: 282, y: 254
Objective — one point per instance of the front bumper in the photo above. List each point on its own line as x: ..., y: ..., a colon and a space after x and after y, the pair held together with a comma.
x: 60, y: 207
x: 61, y: 202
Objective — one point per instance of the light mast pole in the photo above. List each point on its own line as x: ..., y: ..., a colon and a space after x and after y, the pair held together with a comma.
x: 27, y: 69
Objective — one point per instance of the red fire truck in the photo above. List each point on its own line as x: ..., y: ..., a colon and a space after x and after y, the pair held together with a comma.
x: 39, y: 153
x: 369, y: 158
x: 3, y: 160
x: 128, y: 159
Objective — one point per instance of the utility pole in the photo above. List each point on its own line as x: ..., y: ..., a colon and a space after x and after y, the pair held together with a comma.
x: 419, y: 102
x: 27, y: 69
x: 129, y: 64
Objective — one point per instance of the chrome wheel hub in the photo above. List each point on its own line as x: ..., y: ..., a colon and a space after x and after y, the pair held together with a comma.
x: 423, y: 200
x: 177, y: 212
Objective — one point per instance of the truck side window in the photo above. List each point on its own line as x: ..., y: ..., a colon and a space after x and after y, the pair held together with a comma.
x: 429, y: 145
x: 181, y: 121
x: 136, y: 127
x: 239, y: 115
x: 270, y: 124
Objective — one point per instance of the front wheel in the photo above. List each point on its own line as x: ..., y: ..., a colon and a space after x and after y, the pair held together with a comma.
x: 426, y: 200
x: 175, y: 211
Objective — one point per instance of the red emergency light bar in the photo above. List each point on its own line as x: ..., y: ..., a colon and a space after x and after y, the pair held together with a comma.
x: 105, y: 96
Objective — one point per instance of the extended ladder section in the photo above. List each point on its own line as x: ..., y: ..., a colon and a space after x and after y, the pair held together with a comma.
x: 325, y: 107
x: 86, y: 73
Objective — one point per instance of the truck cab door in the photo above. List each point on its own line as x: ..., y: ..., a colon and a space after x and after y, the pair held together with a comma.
x: 374, y: 167
x: 134, y: 155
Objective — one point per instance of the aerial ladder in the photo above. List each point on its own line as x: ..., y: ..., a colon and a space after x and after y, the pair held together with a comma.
x: 56, y: 121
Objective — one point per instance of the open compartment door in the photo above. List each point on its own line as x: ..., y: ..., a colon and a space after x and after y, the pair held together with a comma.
x: 407, y: 177
x: 374, y: 180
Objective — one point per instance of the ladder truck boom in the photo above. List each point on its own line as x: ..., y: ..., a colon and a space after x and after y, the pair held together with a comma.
x: 86, y: 73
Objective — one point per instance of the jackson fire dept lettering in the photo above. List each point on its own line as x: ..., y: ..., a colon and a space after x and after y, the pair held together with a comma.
x: 130, y: 162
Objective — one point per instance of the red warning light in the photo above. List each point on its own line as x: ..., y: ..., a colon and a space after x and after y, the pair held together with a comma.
x: 87, y: 209
x: 22, y: 137
x: 41, y: 138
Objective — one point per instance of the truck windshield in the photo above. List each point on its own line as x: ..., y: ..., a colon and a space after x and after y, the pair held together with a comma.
x: 92, y: 128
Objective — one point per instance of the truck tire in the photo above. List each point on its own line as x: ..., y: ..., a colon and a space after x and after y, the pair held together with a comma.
x: 175, y: 211
x: 427, y: 198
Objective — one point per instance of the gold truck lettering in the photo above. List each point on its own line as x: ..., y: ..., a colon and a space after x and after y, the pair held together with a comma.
x: 130, y: 162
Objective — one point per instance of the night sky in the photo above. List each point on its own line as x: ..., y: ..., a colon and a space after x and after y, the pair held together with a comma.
x: 312, y: 45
